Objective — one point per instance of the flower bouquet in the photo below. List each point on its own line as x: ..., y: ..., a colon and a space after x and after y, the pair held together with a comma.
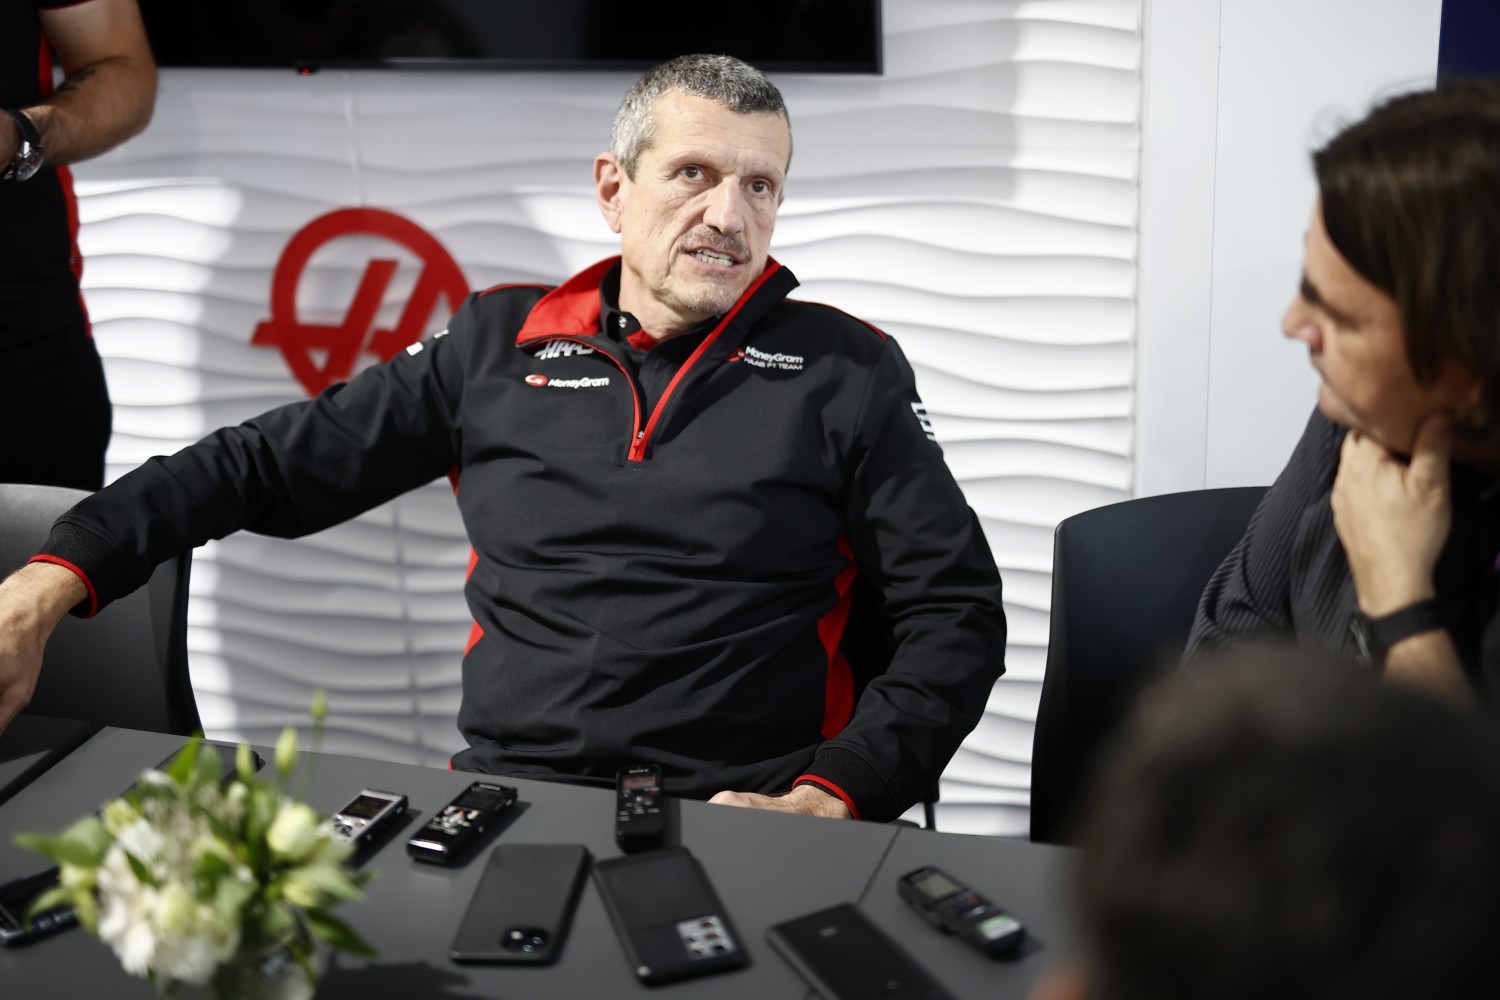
x: 194, y: 880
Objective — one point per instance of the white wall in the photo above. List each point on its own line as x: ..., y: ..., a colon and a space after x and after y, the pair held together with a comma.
x: 1238, y: 92
x: 978, y: 201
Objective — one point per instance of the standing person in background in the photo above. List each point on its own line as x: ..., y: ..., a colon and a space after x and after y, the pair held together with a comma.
x: 53, y: 400
x: 1380, y: 538
x: 1279, y: 827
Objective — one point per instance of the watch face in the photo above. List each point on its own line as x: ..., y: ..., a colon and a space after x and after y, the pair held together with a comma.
x: 28, y: 163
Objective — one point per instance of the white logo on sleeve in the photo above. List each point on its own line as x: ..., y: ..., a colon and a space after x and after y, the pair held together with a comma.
x: 923, y: 419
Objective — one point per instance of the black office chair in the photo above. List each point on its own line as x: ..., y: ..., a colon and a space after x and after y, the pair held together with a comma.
x: 1126, y: 579
x: 126, y: 666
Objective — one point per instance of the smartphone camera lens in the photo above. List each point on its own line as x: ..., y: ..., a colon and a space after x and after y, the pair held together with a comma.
x: 529, y: 940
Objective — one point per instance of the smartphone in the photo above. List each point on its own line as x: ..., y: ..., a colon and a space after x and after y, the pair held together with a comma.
x: 667, y: 916
x: 523, y: 905
x: 15, y: 901
x: 844, y: 956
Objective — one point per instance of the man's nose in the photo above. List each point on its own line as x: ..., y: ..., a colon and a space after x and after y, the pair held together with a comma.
x: 1299, y: 323
x: 725, y: 210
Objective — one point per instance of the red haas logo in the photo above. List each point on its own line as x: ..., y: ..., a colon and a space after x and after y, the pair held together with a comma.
x: 536, y: 380
x: 738, y: 355
x: 342, y: 344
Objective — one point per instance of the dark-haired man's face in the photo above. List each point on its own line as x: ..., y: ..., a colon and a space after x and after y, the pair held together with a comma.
x: 1354, y: 336
x: 695, y: 222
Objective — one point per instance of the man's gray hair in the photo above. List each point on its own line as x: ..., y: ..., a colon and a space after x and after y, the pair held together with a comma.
x: 738, y: 86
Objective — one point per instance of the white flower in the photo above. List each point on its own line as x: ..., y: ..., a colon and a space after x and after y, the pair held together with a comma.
x: 125, y: 915
x: 141, y: 840
x: 294, y: 832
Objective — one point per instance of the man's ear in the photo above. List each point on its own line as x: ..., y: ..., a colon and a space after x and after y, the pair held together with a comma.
x: 609, y: 183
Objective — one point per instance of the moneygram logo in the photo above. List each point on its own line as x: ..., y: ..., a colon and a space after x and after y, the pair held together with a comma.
x: 567, y: 383
x: 320, y: 354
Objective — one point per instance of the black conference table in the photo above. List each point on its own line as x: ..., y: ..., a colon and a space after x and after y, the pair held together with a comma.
x: 766, y: 867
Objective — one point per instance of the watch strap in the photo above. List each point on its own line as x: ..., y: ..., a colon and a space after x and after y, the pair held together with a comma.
x: 1376, y: 636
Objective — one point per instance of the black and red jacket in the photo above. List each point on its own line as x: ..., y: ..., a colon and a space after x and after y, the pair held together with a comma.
x: 671, y: 586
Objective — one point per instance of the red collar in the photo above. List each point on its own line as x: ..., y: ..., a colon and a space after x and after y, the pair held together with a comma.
x: 572, y: 308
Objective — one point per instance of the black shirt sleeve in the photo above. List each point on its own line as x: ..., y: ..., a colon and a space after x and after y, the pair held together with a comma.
x: 288, y: 472
x: 917, y: 541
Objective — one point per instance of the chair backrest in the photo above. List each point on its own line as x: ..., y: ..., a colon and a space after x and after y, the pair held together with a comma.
x: 1126, y: 580
x: 126, y: 666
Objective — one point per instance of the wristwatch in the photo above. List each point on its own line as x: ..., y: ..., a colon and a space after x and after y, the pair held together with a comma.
x: 28, y: 157
x: 1374, y: 637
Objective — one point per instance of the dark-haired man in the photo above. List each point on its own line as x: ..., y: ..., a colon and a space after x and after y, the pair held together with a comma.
x: 675, y: 480
x: 1380, y: 538
x: 1279, y: 827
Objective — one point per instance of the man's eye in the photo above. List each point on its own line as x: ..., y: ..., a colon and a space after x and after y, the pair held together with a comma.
x: 760, y: 187
x: 691, y: 172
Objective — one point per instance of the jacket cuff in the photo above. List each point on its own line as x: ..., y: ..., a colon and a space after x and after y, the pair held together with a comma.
x: 844, y: 774
x: 91, y: 558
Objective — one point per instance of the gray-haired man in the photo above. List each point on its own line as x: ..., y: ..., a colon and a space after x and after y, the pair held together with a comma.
x: 711, y: 531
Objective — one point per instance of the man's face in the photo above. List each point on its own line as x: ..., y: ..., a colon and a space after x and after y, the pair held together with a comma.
x: 695, y: 222
x: 1353, y: 332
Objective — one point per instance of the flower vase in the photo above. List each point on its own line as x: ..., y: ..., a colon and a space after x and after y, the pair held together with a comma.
x: 267, y: 973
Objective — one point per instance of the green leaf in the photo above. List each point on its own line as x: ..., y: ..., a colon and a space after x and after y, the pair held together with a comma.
x: 87, y: 907
x: 325, y: 879
x: 338, y: 934
x: 58, y: 895
x: 44, y: 844
x: 244, y: 762
x: 210, y: 766
x: 286, y: 753
x: 82, y: 844
x: 180, y: 769
x: 91, y: 837
x: 142, y: 873
x: 231, y: 897
x: 212, y: 867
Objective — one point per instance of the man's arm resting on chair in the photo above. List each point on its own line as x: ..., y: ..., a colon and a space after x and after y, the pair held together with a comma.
x: 32, y: 601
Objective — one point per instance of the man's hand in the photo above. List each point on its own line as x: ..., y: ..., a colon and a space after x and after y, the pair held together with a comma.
x: 32, y: 601
x: 1393, y: 521
x: 804, y: 799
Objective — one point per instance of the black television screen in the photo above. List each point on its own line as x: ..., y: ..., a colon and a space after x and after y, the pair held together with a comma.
x: 819, y: 36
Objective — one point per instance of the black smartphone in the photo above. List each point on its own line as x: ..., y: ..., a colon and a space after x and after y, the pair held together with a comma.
x: 668, y: 917
x: 523, y: 905
x: 449, y: 835
x: 15, y: 902
x: 844, y: 956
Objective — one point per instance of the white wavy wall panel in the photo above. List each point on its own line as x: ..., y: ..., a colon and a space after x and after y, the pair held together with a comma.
x: 978, y: 201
